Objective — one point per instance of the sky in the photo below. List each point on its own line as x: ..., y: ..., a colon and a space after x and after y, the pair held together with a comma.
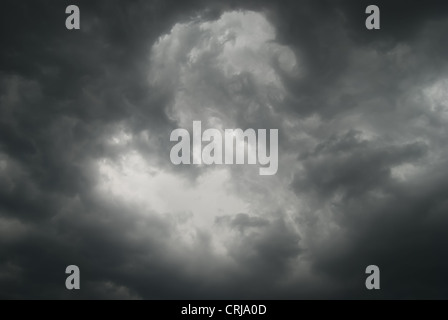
x: 85, y: 171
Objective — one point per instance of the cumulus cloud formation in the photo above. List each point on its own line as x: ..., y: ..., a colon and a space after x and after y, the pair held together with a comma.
x: 86, y: 176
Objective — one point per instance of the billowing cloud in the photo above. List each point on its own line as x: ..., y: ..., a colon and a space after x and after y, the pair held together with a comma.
x: 86, y: 176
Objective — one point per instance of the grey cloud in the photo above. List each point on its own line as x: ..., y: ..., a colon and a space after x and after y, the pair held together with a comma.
x: 353, y: 167
x: 357, y: 113
x: 242, y: 221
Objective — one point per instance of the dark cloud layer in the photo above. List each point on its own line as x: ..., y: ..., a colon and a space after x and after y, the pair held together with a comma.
x: 362, y: 118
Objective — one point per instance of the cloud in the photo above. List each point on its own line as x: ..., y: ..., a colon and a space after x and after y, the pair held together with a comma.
x: 84, y: 150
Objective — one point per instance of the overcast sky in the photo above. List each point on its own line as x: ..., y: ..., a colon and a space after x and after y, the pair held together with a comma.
x: 86, y: 176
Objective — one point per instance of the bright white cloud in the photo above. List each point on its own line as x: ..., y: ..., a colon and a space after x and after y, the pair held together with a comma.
x: 437, y: 95
x: 132, y: 180
x: 206, y: 63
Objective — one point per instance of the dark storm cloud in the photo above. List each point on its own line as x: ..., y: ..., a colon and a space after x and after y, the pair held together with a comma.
x: 402, y: 232
x: 63, y: 94
x: 242, y: 221
x: 353, y: 167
